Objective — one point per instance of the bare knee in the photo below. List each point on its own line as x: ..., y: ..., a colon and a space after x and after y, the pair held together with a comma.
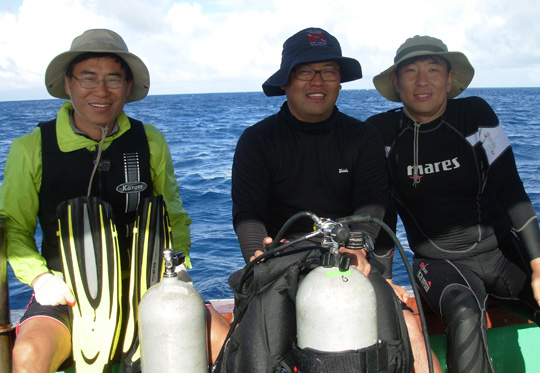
x: 29, y: 355
x: 218, y: 328
x: 42, y: 345
x: 413, y: 327
x: 418, y: 346
x: 24, y: 352
x: 416, y: 337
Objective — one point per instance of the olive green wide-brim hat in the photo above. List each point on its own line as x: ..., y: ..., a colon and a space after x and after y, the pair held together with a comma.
x: 98, y: 41
x: 426, y: 46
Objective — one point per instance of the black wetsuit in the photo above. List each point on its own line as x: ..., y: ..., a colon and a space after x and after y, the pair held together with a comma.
x: 283, y: 166
x: 334, y: 168
x: 462, y: 219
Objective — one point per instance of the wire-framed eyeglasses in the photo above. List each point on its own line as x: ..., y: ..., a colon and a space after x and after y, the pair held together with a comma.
x: 89, y: 82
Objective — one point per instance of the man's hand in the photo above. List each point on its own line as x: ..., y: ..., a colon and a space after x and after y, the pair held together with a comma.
x: 400, y: 291
x: 256, y: 254
x: 51, y: 290
x: 267, y: 241
x: 358, y: 259
x: 535, y: 283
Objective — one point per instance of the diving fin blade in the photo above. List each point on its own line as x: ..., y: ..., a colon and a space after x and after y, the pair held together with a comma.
x: 88, y: 245
x: 151, y: 234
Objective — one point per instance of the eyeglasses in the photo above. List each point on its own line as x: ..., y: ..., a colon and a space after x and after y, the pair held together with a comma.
x: 328, y: 75
x: 91, y: 83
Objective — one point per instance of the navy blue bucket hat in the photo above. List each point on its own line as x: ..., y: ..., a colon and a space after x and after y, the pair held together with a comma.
x: 308, y: 46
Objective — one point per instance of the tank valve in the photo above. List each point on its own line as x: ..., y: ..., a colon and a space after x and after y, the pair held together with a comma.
x: 172, y: 260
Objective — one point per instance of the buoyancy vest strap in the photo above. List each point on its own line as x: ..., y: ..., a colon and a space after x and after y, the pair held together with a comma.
x: 370, y: 359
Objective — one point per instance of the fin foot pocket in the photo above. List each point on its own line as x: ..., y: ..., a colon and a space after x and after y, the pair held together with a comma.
x: 88, y: 245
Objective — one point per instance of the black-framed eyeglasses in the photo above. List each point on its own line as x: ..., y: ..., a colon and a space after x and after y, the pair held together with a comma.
x: 91, y: 83
x: 328, y: 75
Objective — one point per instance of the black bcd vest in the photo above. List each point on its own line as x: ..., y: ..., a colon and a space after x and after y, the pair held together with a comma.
x: 122, y: 179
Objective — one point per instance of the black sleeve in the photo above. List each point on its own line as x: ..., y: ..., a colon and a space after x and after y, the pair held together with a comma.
x: 251, y: 234
x: 385, y: 123
x: 503, y: 178
x: 371, y: 183
x: 249, y: 179
x: 384, y: 246
x: 249, y: 191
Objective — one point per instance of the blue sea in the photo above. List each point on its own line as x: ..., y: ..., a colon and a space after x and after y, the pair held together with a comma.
x: 202, y: 131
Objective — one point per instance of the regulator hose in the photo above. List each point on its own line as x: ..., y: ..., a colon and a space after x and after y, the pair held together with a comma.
x: 274, y: 250
x: 368, y: 219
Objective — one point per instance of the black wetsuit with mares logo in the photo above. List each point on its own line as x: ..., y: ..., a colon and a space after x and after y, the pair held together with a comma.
x: 462, y: 220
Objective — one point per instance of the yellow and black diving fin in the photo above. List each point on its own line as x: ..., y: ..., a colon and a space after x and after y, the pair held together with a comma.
x: 151, y: 234
x: 89, y: 249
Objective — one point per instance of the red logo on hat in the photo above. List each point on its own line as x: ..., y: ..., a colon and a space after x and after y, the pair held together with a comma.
x: 316, y: 38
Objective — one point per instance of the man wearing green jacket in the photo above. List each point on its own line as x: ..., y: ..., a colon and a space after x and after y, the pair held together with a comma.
x: 91, y: 148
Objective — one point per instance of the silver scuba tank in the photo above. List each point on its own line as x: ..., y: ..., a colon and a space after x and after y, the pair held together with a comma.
x: 336, y: 308
x: 336, y: 311
x: 172, y: 326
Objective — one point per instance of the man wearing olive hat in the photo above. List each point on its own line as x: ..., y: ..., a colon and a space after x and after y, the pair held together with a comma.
x: 457, y: 190
x: 55, y: 162
x: 312, y: 157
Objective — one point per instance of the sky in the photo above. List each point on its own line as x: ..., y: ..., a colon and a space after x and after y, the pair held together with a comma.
x: 209, y: 46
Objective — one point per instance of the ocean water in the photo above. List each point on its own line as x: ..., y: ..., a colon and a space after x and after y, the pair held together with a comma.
x: 202, y: 131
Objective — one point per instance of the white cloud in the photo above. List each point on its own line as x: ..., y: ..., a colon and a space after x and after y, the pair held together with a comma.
x: 234, y: 45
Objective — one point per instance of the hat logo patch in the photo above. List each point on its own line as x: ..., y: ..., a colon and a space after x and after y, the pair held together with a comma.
x: 315, y: 38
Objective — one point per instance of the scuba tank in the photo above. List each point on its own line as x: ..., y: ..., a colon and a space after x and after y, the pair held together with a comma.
x: 172, y: 325
x: 335, y: 303
x: 336, y: 310
x: 301, y: 309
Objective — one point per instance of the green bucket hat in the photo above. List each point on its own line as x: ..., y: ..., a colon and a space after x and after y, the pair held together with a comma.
x: 426, y: 46
x: 99, y: 41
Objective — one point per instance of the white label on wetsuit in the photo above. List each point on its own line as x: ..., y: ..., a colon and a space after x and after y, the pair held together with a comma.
x: 133, y: 187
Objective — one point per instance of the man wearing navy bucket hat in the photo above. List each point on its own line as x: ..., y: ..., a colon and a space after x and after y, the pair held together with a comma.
x: 310, y: 46
x: 312, y: 70
x: 310, y: 156
x: 456, y: 187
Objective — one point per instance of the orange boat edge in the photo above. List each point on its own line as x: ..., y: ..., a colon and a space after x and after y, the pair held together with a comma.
x: 512, y: 340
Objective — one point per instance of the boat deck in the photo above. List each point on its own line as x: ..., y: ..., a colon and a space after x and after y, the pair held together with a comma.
x: 513, y: 341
